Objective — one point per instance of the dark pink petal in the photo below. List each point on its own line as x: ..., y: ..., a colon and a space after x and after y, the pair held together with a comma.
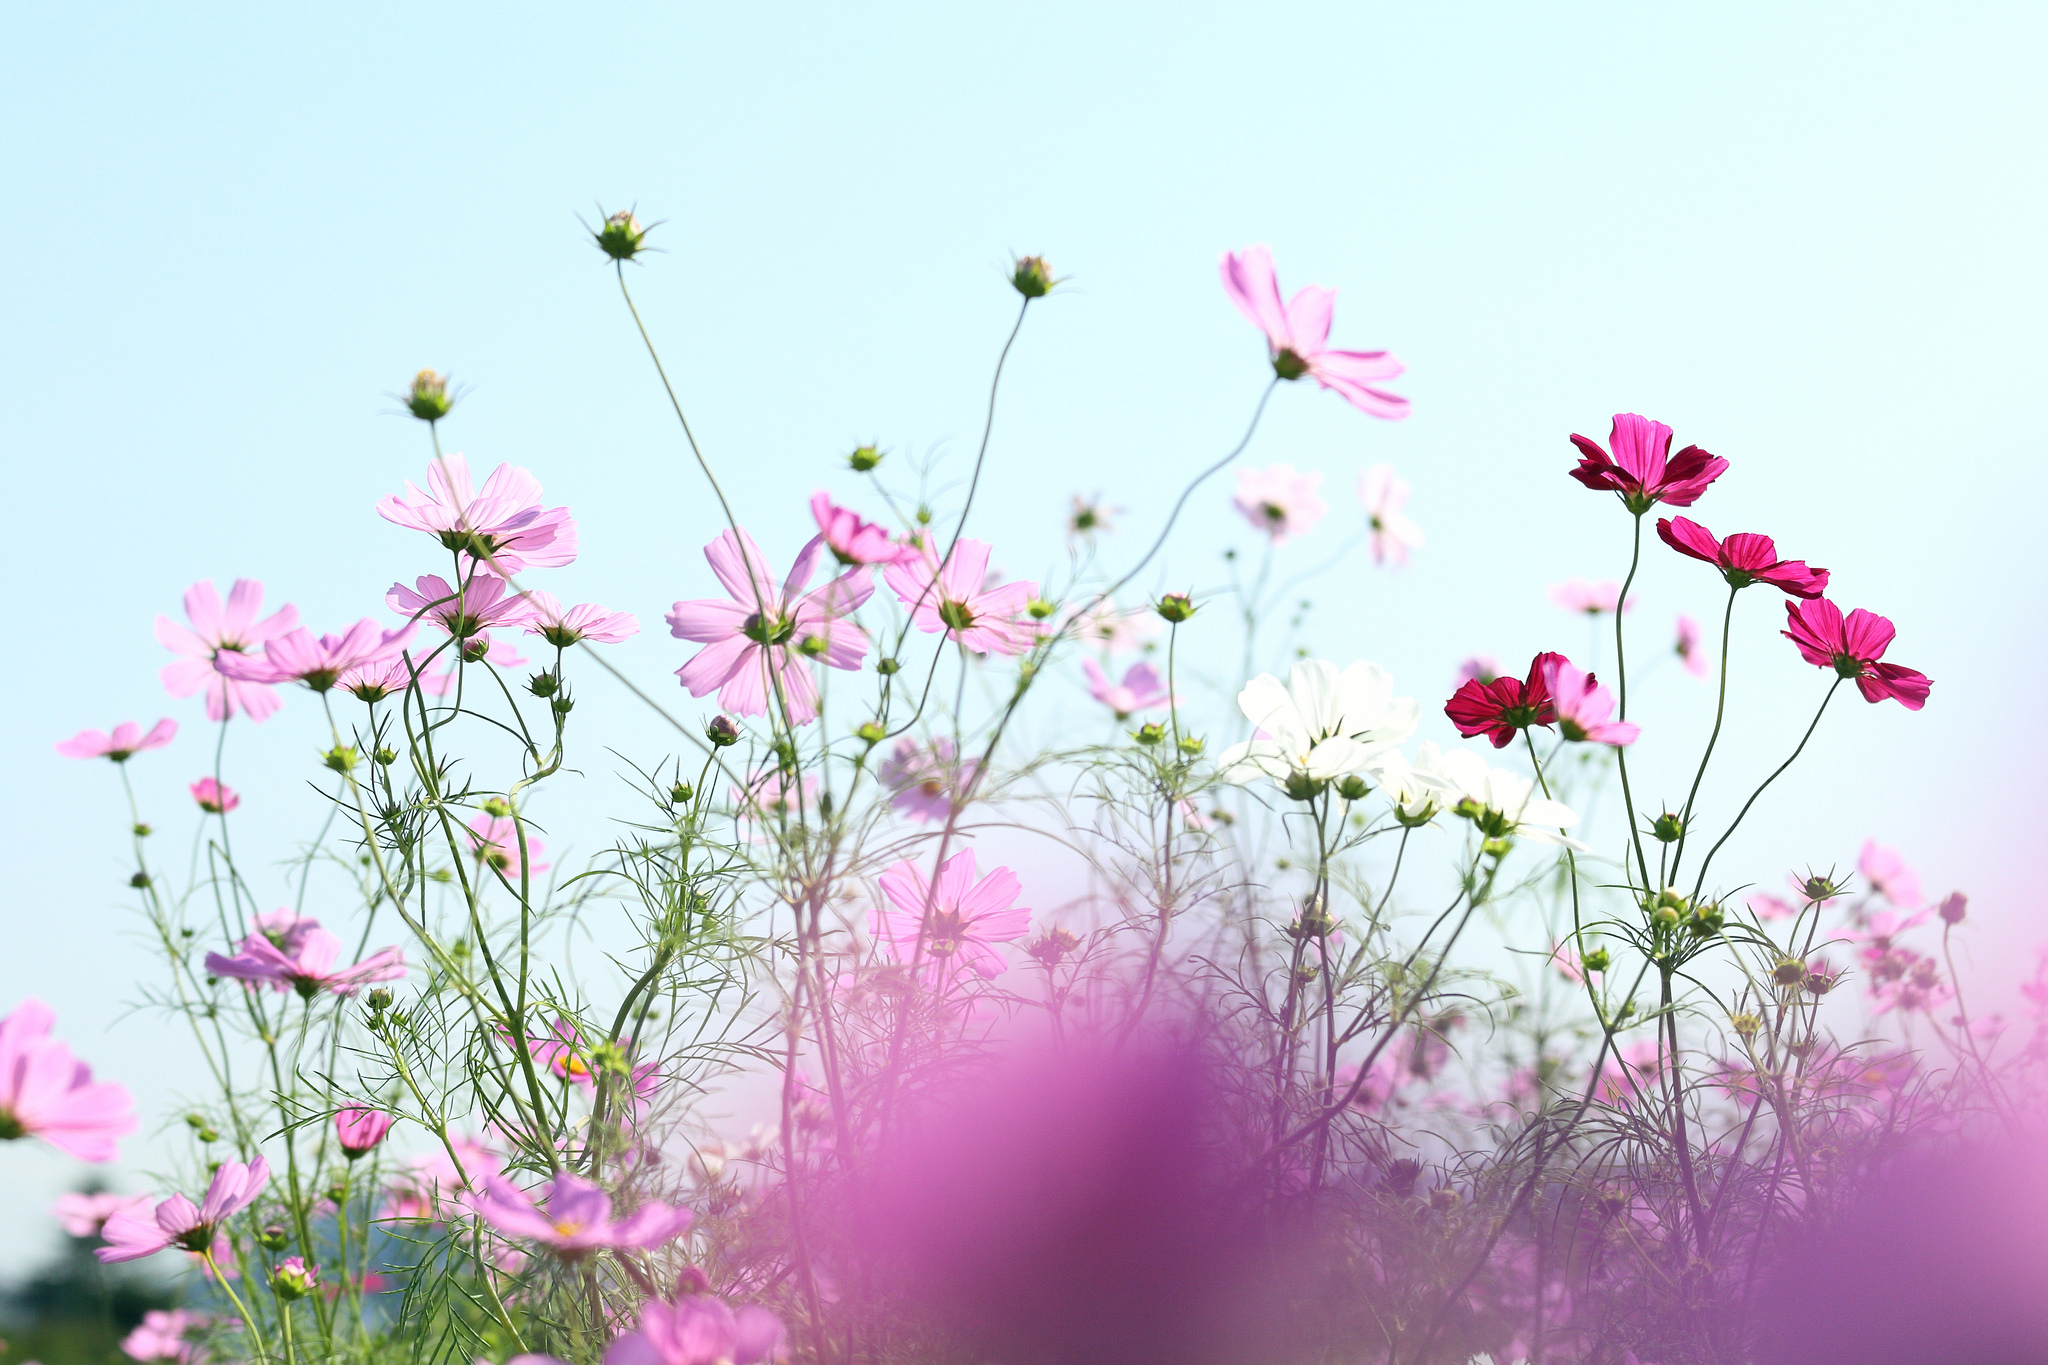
x: 1689, y: 538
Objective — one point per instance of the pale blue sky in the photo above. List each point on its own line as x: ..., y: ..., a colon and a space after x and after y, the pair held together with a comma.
x: 1810, y: 237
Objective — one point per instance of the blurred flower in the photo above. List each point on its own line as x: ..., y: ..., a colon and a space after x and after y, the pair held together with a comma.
x: 132, y: 1235
x: 126, y: 741
x: 1091, y: 517
x: 1103, y: 624
x: 214, y: 631
x: 504, y: 525
x: 1592, y: 599
x: 214, y: 797
x: 926, y: 781
x: 84, y: 1214
x: 1297, y: 335
x: 1767, y: 907
x: 1584, y: 707
x: 360, y: 1129
x: 1322, y: 725
x: 45, y: 1092
x: 698, y: 1329
x: 297, y: 656
x: 1744, y: 558
x: 1505, y: 804
x: 1642, y: 469
x: 851, y: 540
x: 294, y: 1279
x: 1636, y: 1069
x: 496, y: 841
x: 952, y: 598
x: 1570, y: 966
x: 428, y: 398
x: 164, y: 1335
x: 1887, y: 874
x: 584, y: 621
x: 1482, y: 668
x: 309, y: 969
x: 953, y: 922
x: 1852, y: 647
x: 284, y: 927
x: 1280, y: 501
x: 577, y: 1217
x: 1141, y: 690
x: 1383, y: 496
x: 774, y: 795
x: 1688, y: 646
x: 1504, y: 707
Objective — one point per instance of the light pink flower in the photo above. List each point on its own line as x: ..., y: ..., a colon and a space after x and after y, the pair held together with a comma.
x: 1383, y: 496
x: 771, y: 795
x: 956, y: 599
x: 496, y: 841
x: 215, y: 797
x: 83, y: 1215
x: 126, y: 741
x: 214, y: 630
x: 473, y: 608
x: 1281, y: 501
x: 285, y: 927
x: 926, y: 781
x: 1766, y: 906
x: 433, y: 1179
x: 163, y: 1335
x: 577, y: 1218
x: 1141, y: 689
x: 309, y: 969
x: 851, y: 540
x: 297, y: 656
x: 698, y: 1329
x: 1688, y: 646
x: 45, y: 1092
x: 1091, y: 517
x: 766, y: 629
x: 359, y: 1129
x: 1584, y: 707
x: 504, y: 524
x: 1114, y: 630
x: 391, y: 676
x: 1297, y: 335
x: 1479, y: 668
x: 584, y: 621
x: 1887, y: 874
x: 1638, y: 1069
x: 131, y: 1234
x: 953, y: 923
x: 1593, y: 599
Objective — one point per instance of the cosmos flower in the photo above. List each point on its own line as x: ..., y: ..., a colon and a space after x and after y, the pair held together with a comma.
x: 126, y: 741
x: 1502, y: 708
x: 319, y: 663
x: 84, y: 1214
x: 165, y: 1335
x: 573, y: 1217
x: 1103, y: 624
x: 132, y: 1234
x: 1505, y: 804
x: 391, y: 676
x: 851, y: 540
x: 45, y: 1092
x: 360, y: 1129
x: 1091, y: 517
x: 495, y: 841
x: 479, y: 604
x: 698, y: 1329
x: 1853, y: 646
x: 1642, y: 470
x: 926, y: 780
x: 1383, y: 496
x: 309, y: 969
x: 1298, y: 333
x: 1743, y: 558
x: 235, y: 629
x: 1321, y: 725
x: 1584, y: 707
x: 503, y: 524
x: 584, y: 621
x: 1141, y: 690
x: 1589, y: 598
x: 1688, y: 648
x: 1886, y: 873
x: 952, y: 923
x: 1280, y: 501
x: 214, y: 797
x: 956, y: 600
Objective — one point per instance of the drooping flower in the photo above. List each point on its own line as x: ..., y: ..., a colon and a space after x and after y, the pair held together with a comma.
x: 1383, y: 496
x: 926, y: 780
x: 955, y: 599
x: 573, y: 1216
x: 474, y: 607
x: 1853, y: 646
x: 165, y: 1335
x: 360, y: 1129
x: 309, y: 969
x: 215, y: 797
x: 297, y: 656
x: 504, y: 524
x: 851, y: 540
x: 768, y: 630
x: 1322, y: 724
x: 1280, y: 501
x: 1743, y: 558
x: 1688, y: 647
x: 495, y: 841
x: 1504, y: 707
x: 45, y: 1092
x: 84, y: 1214
x: 1141, y: 690
x: 954, y: 922
x: 584, y: 621
x: 132, y: 1234
x: 126, y: 741
x: 216, y: 631
x: 1642, y: 470
x: 698, y: 1329
x: 1584, y: 707
x: 1589, y: 598
x: 1886, y: 873
x: 1504, y: 804
x: 1298, y: 333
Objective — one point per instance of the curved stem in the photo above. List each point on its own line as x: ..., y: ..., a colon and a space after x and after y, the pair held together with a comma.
x: 1779, y: 771
x: 1720, y: 711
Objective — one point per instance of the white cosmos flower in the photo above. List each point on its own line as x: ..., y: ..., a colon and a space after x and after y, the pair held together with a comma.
x: 1512, y: 805
x: 1320, y: 725
x: 1418, y: 787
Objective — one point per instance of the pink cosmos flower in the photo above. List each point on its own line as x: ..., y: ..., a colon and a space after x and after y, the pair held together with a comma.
x: 1743, y: 558
x: 1383, y: 497
x: 131, y: 1234
x: 1887, y: 874
x: 765, y: 628
x: 309, y: 969
x: 1590, y: 598
x: 213, y: 632
x: 851, y: 540
x: 772, y: 795
x: 1638, y: 1069
x: 955, y: 598
x: 297, y: 656
x: 1642, y: 470
x: 434, y: 1179
x: 83, y: 1215
x: 472, y: 609
x: 1091, y: 517
x: 1766, y: 906
x: 577, y: 1218
x: 1141, y: 690
x: 1688, y: 647
x: 698, y: 1329
x: 163, y: 1335
x: 563, y: 1051
x: 359, y: 1129
x: 496, y: 842
x: 45, y: 1092
x: 126, y: 741
x: 504, y: 524
x: 391, y: 676
x: 215, y: 797
x: 1852, y: 646
x: 1297, y: 335
x: 1114, y: 630
x: 954, y: 923
x: 1479, y: 668
x: 584, y: 621
x: 1281, y: 501
x: 285, y: 927
x: 1584, y: 707
x: 926, y: 781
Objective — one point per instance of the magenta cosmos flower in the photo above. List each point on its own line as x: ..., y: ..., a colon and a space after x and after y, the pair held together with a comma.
x: 215, y: 632
x: 562, y: 627
x: 504, y: 524
x: 1298, y: 333
x: 765, y: 628
x: 126, y: 741
x: 297, y: 656
x: 1384, y: 496
x: 45, y: 1092
x: 309, y: 968
x: 132, y: 1234
x: 925, y: 781
x: 1744, y: 558
x: 956, y: 599
x: 1584, y: 708
x: 851, y: 540
x: 564, y: 1052
x: 1852, y: 646
x: 577, y: 1217
x: 360, y: 1129
x: 955, y: 922
x: 214, y: 796
x: 1501, y: 708
x: 698, y: 1329
x: 1642, y: 471
x: 1280, y: 501
x: 496, y: 842
x: 1141, y: 689
x: 474, y: 608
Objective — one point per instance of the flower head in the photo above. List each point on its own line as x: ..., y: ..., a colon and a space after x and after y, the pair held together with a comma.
x: 84, y: 1214
x: 1688, y: 647
x: 1853, y: 646
x: 1114, y: 630
x: 308, y: 968
x: 1141, y: 690
x: 1743, y: 558
x: 165, y: 1335
x: 297, y: 656
x: 574, y: 1217
x: 1589, y: 598
x: 1091, y: 517
x: 1584, y: 707
x: 1298, y: 334
x: 428, y: 398
x: 126, y: 741
x: 360, y: 1129
x: 215, y: 632
x: 45, y: 1092
x: 955, y: 598
x: 1504, y: 707
x: 954, y: 921
x: 392, y: 675
x: 1642, y: 469
x: 215, y: 797
x: 495, y: 841
x: 698, y: 1329
x: 925, y: 780
x: 285, y: 927
x: 1321, y: 725
x: 294, y: 1279
x: 851, y: 540
x: 1503, y: 804
x: 584, y: 621
x: 1887, y: 874
x: 1383, y: 496
x: 132, y: 1234
x: 478, y: 605
x: 504, y: 525
x: 1280, y: 501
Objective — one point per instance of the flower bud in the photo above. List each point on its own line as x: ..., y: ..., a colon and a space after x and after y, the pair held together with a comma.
x: 378, y: 1000
x: 1664, y: 917
x: 621, y: 238
x: 1052, y: 947
x: 1445, y: 1200
x: 1668, y: 828
x: 1599, y: 960
x: 543, y: 684
x: 681, y: 794
x: 1820, y: 888
x: 139, y: 880
x: 209, y: 1135
x: 428, y: 399
x: 1819, y: 981
x: 195, y: 1120
x: 498, y: 808
x: 872, y: 732
x: 692, y: 1282
x: 1149, y: 733
x: 294, y: 1279
x: 1790, y: 971
x: 1031, y: 276
x: 864, y: 458
x: 887, y: 666
x: 143, y: 831
x: 1497, y: 848
x: 1353, y: 787
x: 273, y: 1238
x: 1302, y: 787
x: 341, y: 758
x: 562, y: 705
x: 1176, y: 607
x: 1746, y: 1024
x: 1705, y: 920
x: 1038, y: 608
x: 723, y: 732
x: 1192, y: 745
x: 1954, y: 907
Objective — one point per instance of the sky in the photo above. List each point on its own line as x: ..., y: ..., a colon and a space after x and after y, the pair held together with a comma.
x: 1808, y: 237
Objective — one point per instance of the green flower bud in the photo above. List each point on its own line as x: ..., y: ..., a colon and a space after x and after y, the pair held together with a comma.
x: 1031, y: 276
x: 621, y: 238
x: 1668, y: 828
x: 864, y: 458
x: 428, y: 399
x: 1353, y: 787
x: 1192, y: 745
x: 1790, y: 971
x: 1039, y: 608
x: 341, y: 758
x: 139, y: 880
x: 273, y: 1238
x: 887, y: 666
x: 1598, y: 960
x: 543, y: 684
x: 1176, y: 607
x: 294, y: 1279
x: 209, y: 1135
x: 1706, y: 920
x: 872, y: 732
x: 1149, y: 733
x: 143, y: 831
x: 1302, y: 787
x: 498, y: 808
x: 378, y: 1000
x: 386, y: 756
x: 681, y: 793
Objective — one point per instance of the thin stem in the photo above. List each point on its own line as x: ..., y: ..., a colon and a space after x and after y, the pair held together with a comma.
x: 1776, y: 773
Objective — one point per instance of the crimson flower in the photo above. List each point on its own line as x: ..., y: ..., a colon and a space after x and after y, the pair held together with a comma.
x: 1852, y: 646
x: 1504, y: 707
x: 307, y: 969
x: 1642, y: 468
x: 1298, y: 334
x: 1743, y: 558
